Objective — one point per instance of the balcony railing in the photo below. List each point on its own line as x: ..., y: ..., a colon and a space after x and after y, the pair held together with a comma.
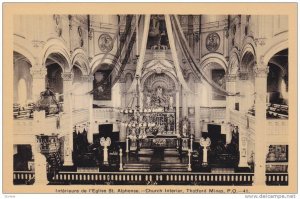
x: 23, y: 177
x: 212, y: 113
x: 275, y: 127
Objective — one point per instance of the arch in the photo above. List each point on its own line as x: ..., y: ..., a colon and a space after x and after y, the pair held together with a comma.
x: 248, y: 45
x: 248, y: 48
x: 129, y: 74
x: 234, y: 61
x: 279, y: 66
x: 159, y: 67
x: 148, y: 74
x: 95, y: 63
x: 216, y: 58
x: 274, y: 49
x: 19, y: 48
x: 190, y: 74
x: 248, y: 58
x: 80, y: 59
x: 58, y: 48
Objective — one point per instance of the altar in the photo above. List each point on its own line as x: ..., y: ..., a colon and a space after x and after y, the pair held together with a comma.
x: 154, y: 122
x: 159, y: 142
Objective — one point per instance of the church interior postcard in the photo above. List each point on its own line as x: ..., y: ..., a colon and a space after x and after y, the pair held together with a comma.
x: 121, y: 98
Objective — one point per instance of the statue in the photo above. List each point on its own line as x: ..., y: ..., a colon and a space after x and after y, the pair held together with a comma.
x: 171, y: 101
x: 148, y: 101
x: 159, y: 92
x: 185, y: 127
x: 158, y: 97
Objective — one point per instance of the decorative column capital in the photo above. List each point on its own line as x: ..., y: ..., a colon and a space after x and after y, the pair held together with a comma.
x: 67, y: 76
x: 243, y: 76
x: 38, y: 73
x: 87, y: 78
x: 261, y: 71
x: 230, y: 78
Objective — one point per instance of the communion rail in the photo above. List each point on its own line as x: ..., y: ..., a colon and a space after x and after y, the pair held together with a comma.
x: 277, y: 179
x: 141, y: 178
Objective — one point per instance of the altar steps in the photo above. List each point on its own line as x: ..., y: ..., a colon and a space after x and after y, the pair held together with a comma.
x: 136, y: 167
x: 174, y: 167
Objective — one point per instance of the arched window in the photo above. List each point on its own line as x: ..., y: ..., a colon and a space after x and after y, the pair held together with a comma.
x: 22, y: 92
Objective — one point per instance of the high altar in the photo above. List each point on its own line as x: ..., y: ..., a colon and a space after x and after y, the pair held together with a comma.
x: 155, y: 120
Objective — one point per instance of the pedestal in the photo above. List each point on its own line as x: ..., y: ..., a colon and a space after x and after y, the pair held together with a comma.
x: 189, y: 165
x: 121, y: 161
x: 127, y: 145
x: 204, y: 161
x: 105, y: 143
x: 205, y: 143
x: 105, y: 155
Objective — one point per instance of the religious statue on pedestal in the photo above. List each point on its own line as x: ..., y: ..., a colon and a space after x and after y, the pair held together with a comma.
x: 148, y: 101
x: 171, y: 101
x: 159, y: 99
x: 185, y: 127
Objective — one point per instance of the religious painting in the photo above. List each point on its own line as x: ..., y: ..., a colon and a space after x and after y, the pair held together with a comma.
x: 212, y: 42
x: 218, y: 76
x: 191, y: 111
x: 102, y: 85
x: 105, y: 43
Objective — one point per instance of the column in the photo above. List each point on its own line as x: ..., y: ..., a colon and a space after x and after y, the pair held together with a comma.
x: 184, y: 103
x: 40, y: 164
x: 38, y: 81
x: 261, y: 72
x: 88, y: 79
x: 68, y: 121
x: 141, y: 100
x: 197, y: 100
x: 243, y: 147
x: 230, y: 100
x: 177, y: 111
x: 243, y: 77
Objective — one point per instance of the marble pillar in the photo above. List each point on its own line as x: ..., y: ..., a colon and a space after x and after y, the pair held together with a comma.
x: 261, y: 72
x: 88, y: 79
x: 243, y: 81
x: 68, y: 121
x: 243, y: 147
x: 197, y: 101
x: 184, y: 104
x: 230, y: 100
x: 38, y: 81
x: 177, y: 111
